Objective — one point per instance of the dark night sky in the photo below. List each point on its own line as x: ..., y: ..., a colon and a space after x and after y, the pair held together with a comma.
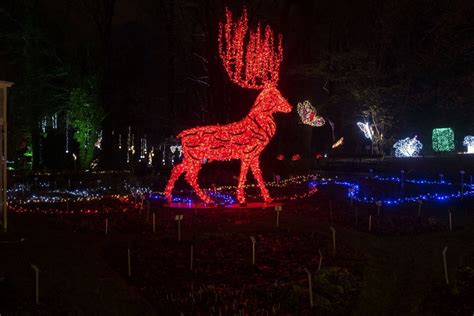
x: 161, y: 72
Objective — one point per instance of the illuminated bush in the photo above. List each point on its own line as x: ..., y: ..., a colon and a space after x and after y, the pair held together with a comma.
x: 443, y: 139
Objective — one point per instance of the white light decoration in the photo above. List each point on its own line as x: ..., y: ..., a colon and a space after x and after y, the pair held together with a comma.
x: 143, y: 147
x: 367, y: 129
x: 98, y: 143
x: 178, y: 148
x: 44, y: 124
x: 408, y: 147
x: 129, y: 143
x: 54, y: 121
x: 67, y: 134
x: 308, y: 115
x: 151, y: 154
x: 469, y: 143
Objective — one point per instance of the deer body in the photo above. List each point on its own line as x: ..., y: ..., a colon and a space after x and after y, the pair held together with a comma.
x: 246, y: 139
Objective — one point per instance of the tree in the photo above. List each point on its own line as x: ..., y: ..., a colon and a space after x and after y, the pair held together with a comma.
x: 85, y: 114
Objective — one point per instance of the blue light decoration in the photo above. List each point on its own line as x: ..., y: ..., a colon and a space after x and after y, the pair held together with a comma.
x: 307, y: 185
x: 408, y: 147
x: 355, y: 193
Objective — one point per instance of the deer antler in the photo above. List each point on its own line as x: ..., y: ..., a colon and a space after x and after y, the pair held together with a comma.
x: 262, y: 58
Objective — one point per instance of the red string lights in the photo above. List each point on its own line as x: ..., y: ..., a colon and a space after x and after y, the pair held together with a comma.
x: 246, y: 139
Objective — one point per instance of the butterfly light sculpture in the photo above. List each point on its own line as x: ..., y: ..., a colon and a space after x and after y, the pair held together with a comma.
x: 367, y: 129
x: 308, y: 114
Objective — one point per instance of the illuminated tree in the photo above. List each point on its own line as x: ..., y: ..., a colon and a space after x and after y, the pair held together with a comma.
x: 251, y: 64
x: 85, y: 115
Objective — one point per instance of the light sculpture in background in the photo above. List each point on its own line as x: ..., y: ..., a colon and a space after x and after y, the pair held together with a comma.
x: 367, y: 129
x: 308, y: 116
x: 408, y: 147
x: 98, y: 143
x: 469, y: 143
x: 338, y: 143
x: 296, y: 157
x: 175, y: 148
x: 443, y: 139
x: 251, y: 62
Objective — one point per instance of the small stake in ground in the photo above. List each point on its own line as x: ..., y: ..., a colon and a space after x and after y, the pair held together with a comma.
x: 445, y: 265
x: 129, y: 265
x: 320, y: 259
x: 154, y: 223
x: 462, y: 172
x: 141, y: 203
x: 36, y: 283
x: 179, y: 218
x: 351, y: 194
x: 403, y: 178
x: 333, y: 240
x: 310, y: 288
x: 441, y: 176
x: 330, y: 209
x: 67, y: 205
x: 357, y: 216
x: 147, y: 210
x: 420, y: 203
x: 278, y: 209
x: 192, y: 257
x: 450, y: 221
x: 379, y: 204
x: 370, y: 223
x: 106, y: 226
x: 253, y: 249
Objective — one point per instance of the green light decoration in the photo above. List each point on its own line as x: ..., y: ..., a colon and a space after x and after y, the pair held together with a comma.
x: 443, y: 139
x: 85, y: 115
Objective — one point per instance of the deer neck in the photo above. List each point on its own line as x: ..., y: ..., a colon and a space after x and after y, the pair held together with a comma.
x: 262, y: 117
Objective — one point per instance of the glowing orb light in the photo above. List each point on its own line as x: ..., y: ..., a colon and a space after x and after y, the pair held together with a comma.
x: 469, y: 143
x: 443, y: 139
x: 367, y: 129
x: 308, y: 115
x: 408, y: 147
x: 253, y: 62
x: 296, y: 157
x: 281, y: 157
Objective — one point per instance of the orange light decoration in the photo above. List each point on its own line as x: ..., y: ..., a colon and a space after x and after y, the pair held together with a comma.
x: 338, y: 143
x: 246, y: 139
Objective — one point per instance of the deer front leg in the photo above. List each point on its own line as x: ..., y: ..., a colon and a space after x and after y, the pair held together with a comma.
x: 257, y: 173
x: 244, y: 167
x: 192, y: 177
x: 175, y: 173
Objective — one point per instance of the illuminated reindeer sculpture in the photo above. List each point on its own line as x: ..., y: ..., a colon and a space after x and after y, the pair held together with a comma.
x: 246, y: 139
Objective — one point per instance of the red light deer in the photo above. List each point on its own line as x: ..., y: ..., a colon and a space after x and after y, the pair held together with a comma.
x: 246, y: 139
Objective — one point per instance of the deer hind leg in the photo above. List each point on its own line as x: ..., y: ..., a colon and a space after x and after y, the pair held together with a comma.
x: 175, y: 173
x: 257, y: 173
x: 192, y: 178
x: 244, y: 167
